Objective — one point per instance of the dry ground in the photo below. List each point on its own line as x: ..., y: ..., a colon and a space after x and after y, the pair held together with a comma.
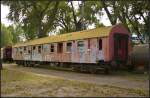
x: 27, y: 81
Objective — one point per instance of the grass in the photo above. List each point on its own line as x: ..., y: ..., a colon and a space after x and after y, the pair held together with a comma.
x: 121, y: 73
x: 132, y: 75
x: 15, y: 83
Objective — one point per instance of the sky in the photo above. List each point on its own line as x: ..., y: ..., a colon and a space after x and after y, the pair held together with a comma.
x: 5, y: 11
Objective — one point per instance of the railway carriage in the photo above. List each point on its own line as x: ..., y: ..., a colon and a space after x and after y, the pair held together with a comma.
x: 90, y: 50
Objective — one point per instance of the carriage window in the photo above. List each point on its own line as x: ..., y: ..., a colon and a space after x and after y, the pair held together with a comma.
x: 80, y: 44
x: 60, y: 47
x: 24, y: 48
x: 17, y: 49
x: 29, y: 51
x: 39, y: 49
x: 20, y: 48
x: 88, y: 43
x: 33, y: 47
x: 45, y: 47
x: 100, y: 44
x: 52, y: 48
x: 69, y: 45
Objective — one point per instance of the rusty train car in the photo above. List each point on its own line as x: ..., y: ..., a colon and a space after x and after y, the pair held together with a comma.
x: 88, y: 50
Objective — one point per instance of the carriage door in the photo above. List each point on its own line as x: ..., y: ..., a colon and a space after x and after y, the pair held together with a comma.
x: 81, y: 50
x: 120, y: 47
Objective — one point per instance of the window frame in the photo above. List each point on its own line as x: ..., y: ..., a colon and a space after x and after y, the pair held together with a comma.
x: 39, y: 49
x: 68, y: 48
x: 34, y: 48
x: 60, y: 49
x: 88, y: 44
x: 25, y: 48
x: 29, y: 51
x: 100, y: 46
x: 52, y: 48
x: 80, y: 41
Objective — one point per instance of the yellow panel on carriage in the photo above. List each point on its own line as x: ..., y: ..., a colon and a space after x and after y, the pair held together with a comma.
x: 92, y: 33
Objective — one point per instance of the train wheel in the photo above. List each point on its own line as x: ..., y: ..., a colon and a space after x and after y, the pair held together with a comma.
x: 26, y: 63
x: 106, y: 71
x: 21, y: 63
x: 32, y: 64
x: 17, y: 62
x: 75, y: 68
x: 92, y: 70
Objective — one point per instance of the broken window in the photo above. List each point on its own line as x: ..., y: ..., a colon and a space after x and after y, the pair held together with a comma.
x: 33, y: 47
x: 39, y: 49
x: 17, y: 49
x: 52, y: 48
x: 80, y: 43
x: 100, y: 44
x: 20, y: 50
x: 29, y: 51
x: 69, y: 45
x: 25, y: 48
x: 88, y: 43
x: 60, y: 47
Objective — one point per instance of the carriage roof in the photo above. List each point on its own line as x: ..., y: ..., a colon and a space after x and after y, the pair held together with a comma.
x: 97, y: 32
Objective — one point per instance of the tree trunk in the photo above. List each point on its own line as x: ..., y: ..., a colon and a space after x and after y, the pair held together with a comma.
x: 1, y: 67
x: 112, y: 20
x: 41, y: 32
x: 77, y: 24
x: 149, y: 32
x: 135, y: 28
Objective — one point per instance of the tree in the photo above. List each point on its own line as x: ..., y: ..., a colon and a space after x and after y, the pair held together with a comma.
x: 111, y: 15
x: 16, y: 31
x: 6, y: 36
x: 36, y: 17
x: 72, y: 19
x: 130, y: 14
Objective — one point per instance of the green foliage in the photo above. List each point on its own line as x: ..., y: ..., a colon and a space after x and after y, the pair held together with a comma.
x: 38, y: 18
x: 133, y: 14
x: 6, y: 36
x: 75, y: 19
x: 11, y: 34
x: 16, y: 31
x: 24, y: 82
